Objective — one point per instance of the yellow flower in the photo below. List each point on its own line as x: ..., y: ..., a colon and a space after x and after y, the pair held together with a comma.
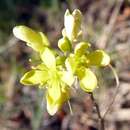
x: 57, y: 72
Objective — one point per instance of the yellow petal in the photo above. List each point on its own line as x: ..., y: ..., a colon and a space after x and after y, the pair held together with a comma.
x: 98, y: 58
x: 68, y: 78
x: 87, y: 79
x: 71, y: 63
x: 34, y: 77
x: 54, y: 105
x: 34, y: 39
x: 44, y: 39
x: 48, y: 58
x: 69, y: 24
x: 54, y: 89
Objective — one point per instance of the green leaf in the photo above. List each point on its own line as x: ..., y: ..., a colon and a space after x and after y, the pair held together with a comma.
x: 64, y: 44
x: 68, y: 78
x: 32, y: 38
x: 87, y: 79
x: 48, y: 58
x: 98, y: 58
x: 34, y: 77
x: 81, y: 48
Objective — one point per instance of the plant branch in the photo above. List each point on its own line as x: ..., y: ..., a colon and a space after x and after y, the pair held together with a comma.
x: 101, y: 119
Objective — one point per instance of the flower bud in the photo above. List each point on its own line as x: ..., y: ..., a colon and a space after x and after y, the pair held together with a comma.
x: 64, y: 44
x: 72, y: 23
x: 81, y: 48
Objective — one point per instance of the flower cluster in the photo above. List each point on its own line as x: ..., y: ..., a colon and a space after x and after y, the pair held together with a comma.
x: 58, y: 71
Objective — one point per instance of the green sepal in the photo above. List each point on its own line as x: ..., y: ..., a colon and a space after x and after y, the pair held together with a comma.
x: 64, y: 44
x: 87, y: 79
x: 34, y: 77
x: 98, y: 58
x: 34, y: 39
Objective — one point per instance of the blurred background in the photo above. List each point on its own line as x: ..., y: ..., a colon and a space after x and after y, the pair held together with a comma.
x: 106, y: 25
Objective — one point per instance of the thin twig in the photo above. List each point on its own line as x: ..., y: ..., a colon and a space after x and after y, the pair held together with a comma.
x: 101, y: 119
x: 71, y: 111
x: 116, y: 91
